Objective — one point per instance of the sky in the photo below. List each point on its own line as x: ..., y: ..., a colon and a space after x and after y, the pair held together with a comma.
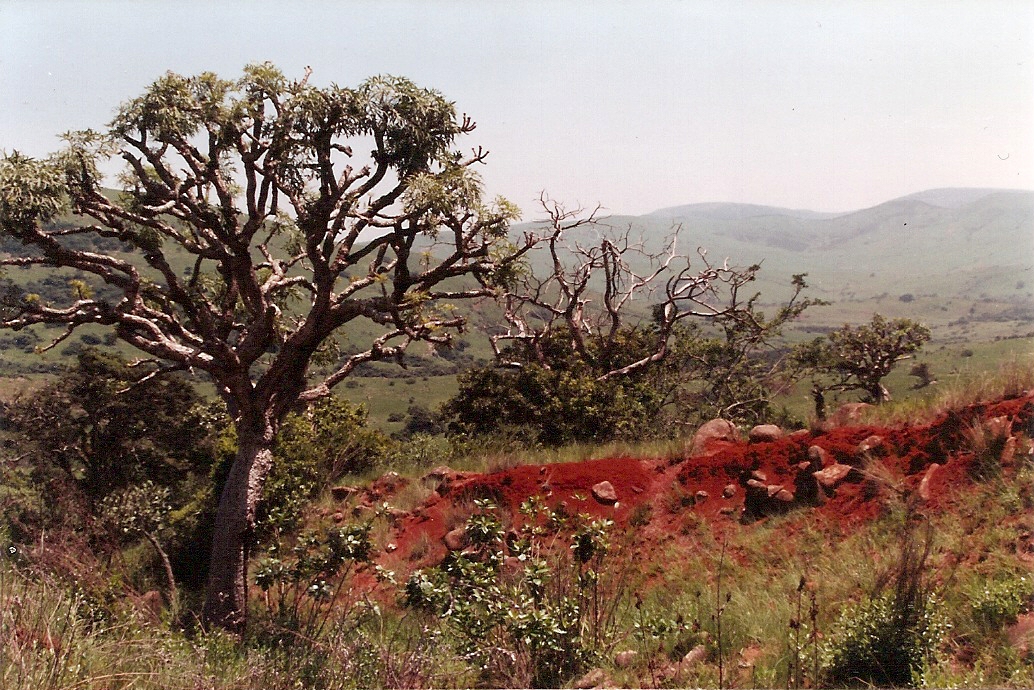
x: 828, y: 106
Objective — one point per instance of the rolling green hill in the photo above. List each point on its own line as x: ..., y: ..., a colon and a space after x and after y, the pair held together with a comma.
x: 960, y: 260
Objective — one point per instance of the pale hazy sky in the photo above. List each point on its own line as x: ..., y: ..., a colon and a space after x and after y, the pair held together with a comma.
x: 831, y: 106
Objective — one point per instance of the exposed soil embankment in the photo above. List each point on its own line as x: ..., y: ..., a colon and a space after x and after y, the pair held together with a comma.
x: 848, y: 474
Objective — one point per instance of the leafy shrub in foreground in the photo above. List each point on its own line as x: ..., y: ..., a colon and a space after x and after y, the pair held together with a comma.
x: 519, y: 613
x: 874, y: 644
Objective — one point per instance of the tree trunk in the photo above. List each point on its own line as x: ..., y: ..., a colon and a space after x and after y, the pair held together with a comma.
x: 170, y: 578
x: 226, y: 600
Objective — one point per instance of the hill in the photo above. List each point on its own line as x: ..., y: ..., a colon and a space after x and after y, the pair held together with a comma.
x: 949, y: 257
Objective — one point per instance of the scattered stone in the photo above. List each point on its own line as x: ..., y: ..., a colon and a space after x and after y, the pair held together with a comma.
x: 625, y: 658
x: 701, y: 496
x: 456, y: 540
x: 773, y: 489
x: 694, y: 656
x: 759, y: 476
x: 924, y: 485
x: 871, y: 444
x: 800, y: 433
x: 729, y: 491
x: 593, y: 679
x: 783, y: 495
x: 727, y: 510
x: 831, y: 476
x: 714, y: 430
x: 604, y: 493
x: 340, y: 493
x: 765, y: 433
x: 756, y: 486
x: 391, y: 547
x: 817, y: 457
x: 998, y: 427
x: 849, y: 413
x: 338, y: 517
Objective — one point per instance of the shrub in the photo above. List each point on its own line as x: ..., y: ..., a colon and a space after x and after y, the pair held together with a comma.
x: 516, y: 611
x: 997, y: 604
x: 875, y: 644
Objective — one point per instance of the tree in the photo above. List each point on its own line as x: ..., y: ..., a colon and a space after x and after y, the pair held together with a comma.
x: 96, y: 430
x: 859, y: 358
x: 582, y: 359
x: 250, y: 231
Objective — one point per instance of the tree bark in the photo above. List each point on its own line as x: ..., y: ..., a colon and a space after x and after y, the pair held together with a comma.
x: 226, y: 594
x: 170, y: 578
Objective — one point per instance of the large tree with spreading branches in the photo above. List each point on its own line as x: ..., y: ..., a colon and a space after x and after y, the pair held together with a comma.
x: 255, y: 218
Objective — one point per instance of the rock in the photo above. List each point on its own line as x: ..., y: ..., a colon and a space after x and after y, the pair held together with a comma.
x: 438, y: 474
x: 715, y: 430
x: 701, y: 496
x: 625, y: 658
x: 872, y: 444
x: 924, y: 484
x: 998, y: 427
x: 817, y: 457
x: 338, y: 517
x: 593, y: 679
x: 756, y: 486
x: 783, y: 496
x: 759, y: 476
x: 340, y: 493
x: 729, y: 491
x: 456, y: 540
x: 773, y: 489
x: 727, y: 510
x: 604, y: 493
x: 443, y: 477
x: 694, y: 656
x: 831, y: 476
x: 1021, y: 635
x: 391, y: 547
x: 806, y: 487
x: 849, y: 413
x: 765, y: 433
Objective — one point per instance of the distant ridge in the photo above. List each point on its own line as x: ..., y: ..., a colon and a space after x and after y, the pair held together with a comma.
x: 942, y: 197
x: 734, y: 211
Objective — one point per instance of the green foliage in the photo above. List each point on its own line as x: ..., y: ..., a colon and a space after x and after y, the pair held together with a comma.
x: 518, y: 612
x: 100, y: 428
x: 301, y: 587
x: 558, y: 401
x: 874, y: 644
x: 140, y: 509
x: 859, y: 358
x: 997, y: 603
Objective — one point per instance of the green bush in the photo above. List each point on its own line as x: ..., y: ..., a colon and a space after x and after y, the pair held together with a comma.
x: 997, y: 604
x: 877, y: 643
x: 517, y: 612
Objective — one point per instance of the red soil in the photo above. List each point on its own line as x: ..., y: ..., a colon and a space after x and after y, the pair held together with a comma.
x: 667, y: 487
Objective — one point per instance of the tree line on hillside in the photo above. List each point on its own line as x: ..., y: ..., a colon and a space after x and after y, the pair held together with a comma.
x: 300, y: 210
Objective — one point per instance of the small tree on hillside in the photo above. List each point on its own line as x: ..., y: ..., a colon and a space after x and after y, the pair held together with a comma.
x: 860, y: 357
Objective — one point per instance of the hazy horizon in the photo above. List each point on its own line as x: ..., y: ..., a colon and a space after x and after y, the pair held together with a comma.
x: 635, y: 106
